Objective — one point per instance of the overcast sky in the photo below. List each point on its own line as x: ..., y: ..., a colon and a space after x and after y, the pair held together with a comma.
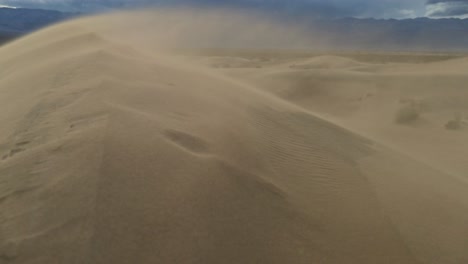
x: 323, y: 8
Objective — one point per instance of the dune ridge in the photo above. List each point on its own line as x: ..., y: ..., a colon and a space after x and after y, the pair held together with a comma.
x: 113, y: 154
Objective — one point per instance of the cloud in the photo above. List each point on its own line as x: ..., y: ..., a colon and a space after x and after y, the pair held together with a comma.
x: 7, y: 6
x: 316, y: 8
x: 324, y: 8
x: 445, y: 1
x: 447, y: 8
x: 407, y: 13
x: 69, y: 5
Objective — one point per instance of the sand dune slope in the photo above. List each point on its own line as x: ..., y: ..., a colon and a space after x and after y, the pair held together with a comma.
x: 112, y: 155
x: 372, y: 100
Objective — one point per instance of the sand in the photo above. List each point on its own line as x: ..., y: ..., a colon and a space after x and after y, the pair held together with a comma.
x: 111, y: 153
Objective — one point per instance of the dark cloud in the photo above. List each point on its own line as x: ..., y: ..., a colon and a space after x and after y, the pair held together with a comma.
x: 316, y: 8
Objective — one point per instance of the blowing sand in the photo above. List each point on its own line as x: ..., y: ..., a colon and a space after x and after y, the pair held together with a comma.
x: 115, y: 154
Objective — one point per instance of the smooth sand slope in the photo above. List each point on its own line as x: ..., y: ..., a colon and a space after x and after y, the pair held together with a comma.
x: 111, y: 154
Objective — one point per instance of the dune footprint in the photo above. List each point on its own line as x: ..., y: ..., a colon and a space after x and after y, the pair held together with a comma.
x: 189, y: 142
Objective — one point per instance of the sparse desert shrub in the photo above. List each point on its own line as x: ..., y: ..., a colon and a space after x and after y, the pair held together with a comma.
x: 456, y: 123
x: 453, y: 125
x: 408, y: 113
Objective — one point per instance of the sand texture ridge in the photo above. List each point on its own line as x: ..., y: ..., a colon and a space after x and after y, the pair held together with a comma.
x: 111, y: 153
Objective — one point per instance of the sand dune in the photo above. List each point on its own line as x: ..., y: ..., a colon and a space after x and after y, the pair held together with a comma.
x: 369, y: 98
x: 114, y: 154
x: 326, y: 62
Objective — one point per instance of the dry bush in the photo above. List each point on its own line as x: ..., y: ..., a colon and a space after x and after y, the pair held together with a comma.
x: 408, y: 113
x: 456, y: 123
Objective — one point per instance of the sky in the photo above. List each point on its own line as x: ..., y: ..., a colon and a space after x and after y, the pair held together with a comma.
x: 398, y: 9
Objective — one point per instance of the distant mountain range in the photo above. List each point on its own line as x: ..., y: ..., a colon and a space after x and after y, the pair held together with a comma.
x: 18, y: 21
x: 24, y: 20
x: 420, y: 34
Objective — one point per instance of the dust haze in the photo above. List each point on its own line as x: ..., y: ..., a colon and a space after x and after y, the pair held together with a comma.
x: 191, y: 28
x: 226, y: 136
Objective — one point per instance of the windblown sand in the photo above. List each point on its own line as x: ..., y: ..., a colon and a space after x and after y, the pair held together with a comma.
x: 114, y: 154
